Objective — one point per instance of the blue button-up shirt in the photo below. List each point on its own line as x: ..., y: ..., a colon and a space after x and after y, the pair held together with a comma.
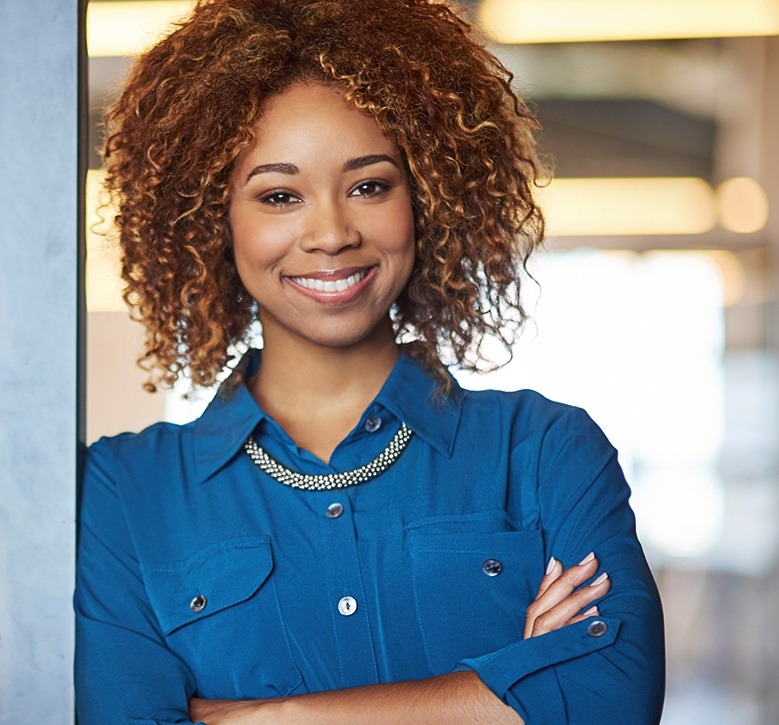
x: 200, y: 574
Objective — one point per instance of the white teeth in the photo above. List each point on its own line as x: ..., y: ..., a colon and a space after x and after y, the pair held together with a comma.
x: 321, y: 285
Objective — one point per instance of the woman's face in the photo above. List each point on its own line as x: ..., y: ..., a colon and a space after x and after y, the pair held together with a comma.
x: 322, y: 222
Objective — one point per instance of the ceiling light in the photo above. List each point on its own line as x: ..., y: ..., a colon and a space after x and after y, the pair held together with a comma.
x: 743, y: 205
x: 131, y: 27
x: 628, y: 206
x: 566, y: 21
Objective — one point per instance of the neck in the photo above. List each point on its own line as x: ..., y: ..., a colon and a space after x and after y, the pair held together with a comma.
x: 298, y: 378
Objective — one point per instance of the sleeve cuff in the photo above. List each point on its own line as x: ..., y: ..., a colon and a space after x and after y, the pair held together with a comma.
x: 522, y: 674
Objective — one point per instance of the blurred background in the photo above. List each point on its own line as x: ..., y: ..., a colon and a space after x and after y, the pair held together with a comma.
x: 655, y: 304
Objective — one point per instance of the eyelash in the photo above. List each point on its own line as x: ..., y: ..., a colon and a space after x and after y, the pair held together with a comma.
x: 273, y: 199
x: 379, y: 187
x: 283, y: 199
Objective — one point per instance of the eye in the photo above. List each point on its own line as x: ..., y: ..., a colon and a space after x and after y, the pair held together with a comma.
x: 279, y: 199
x: 370, y: 189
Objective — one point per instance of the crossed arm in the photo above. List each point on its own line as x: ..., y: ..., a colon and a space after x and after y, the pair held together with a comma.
x: 459, y: 697
x: 614, y: 675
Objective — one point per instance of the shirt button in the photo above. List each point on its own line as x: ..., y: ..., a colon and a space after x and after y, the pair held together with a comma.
x: 198, y: 604
x: 372, y: 423
x: 334, y: 510
x: 597, y: 629
x: 492, y: 567
x: 347, y: 606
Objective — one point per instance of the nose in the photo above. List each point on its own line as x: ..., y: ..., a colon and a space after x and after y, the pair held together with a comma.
x: 330, y: 229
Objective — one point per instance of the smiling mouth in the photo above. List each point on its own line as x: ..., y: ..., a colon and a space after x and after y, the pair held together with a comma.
x: 330, y: 285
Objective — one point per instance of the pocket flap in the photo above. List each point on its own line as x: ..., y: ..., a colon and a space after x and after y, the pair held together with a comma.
x: 208, y: 581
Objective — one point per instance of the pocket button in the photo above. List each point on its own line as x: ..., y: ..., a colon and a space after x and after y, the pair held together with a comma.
x: 198, y: 604
x: 492, y: 567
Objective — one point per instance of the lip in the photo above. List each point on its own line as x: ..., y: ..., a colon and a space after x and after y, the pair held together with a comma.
x: 336, y: 297
x: 332, y: 274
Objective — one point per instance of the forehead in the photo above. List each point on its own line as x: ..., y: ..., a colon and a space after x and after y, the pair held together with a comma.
x: 317, y: 115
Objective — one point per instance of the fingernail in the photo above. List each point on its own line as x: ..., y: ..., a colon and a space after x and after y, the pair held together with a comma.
x: 602, y: 578
x: 550, y: 565
x: 587, y: 558
x: 592, y: 611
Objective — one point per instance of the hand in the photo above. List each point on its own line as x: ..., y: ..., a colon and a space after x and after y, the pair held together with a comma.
x: 561, y: 599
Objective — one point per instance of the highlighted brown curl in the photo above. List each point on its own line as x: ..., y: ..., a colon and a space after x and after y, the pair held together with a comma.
x: 188, y: 108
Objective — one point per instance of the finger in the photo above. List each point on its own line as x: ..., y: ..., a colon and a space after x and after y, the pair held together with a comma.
x: 556, y: 586
x: 560, y: 586
x: 566, y: 611
x: 553, y: 570
x: 591, y: 612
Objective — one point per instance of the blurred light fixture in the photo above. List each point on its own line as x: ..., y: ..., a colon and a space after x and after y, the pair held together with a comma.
x: 129, y: 27
x: 732, y: 273
x: 743, y: 205
x: 568, y: 21
x: 104, y: 284
x: 628, y: 206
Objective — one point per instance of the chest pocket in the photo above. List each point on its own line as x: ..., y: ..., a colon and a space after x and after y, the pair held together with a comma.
x: 219, y: 611
x: 471, y: 591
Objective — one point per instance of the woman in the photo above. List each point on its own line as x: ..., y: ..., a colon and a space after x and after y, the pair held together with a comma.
x: 345, y: 535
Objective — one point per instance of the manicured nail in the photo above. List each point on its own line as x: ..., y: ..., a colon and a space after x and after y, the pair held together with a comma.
x: 591, y: 612
x: 602, y: 578
x: 587, y: 558
x: 550, y: 565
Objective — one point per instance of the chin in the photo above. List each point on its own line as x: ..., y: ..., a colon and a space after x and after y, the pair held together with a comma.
x: 340, y: 342
x: 349, y: 336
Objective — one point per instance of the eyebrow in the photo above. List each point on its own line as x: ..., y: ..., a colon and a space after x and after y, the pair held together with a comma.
x: 278, y: 168
x: 351, y: 165
x: 363, y: 161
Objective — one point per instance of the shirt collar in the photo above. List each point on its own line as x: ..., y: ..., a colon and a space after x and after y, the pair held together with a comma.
x: 409, y: 393
x: 415, y: 398
x: 228, y: 421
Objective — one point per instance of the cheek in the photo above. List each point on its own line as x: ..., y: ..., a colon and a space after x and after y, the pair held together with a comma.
x: 401, y: 221
x: 410, y: 238
x: 406, y: 242
x: 255, y: 245
x: 404, y: 253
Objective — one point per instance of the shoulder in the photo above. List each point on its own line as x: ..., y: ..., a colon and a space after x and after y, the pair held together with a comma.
x: 528, y: 411
x: 159, y: 440
x: 528, y: 426
x: 137, y: 464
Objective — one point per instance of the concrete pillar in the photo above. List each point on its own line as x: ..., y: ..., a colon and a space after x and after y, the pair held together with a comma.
x: 41, y: 309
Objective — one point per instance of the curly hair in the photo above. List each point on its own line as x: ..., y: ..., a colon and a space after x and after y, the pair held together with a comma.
x: 188, y: 109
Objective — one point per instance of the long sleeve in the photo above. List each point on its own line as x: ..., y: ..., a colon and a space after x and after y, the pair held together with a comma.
x: 609, y: 669
x: 178, y: 514
x: 124, y: 672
